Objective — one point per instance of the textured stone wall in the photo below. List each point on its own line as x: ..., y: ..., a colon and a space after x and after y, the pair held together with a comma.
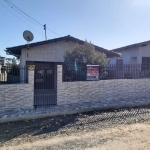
x: 118, y: 92
x: 17, y: 96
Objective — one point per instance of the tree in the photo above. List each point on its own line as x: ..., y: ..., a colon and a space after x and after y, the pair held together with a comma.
x: 12, y: 66
x: 85, y: 54
x: 12, y: 62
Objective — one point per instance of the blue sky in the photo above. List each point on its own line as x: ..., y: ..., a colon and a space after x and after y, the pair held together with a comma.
x: 106, y: 23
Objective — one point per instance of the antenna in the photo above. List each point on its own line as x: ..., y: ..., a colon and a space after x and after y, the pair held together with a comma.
x: 28, y: 36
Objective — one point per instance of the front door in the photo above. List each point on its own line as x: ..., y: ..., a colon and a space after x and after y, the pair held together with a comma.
x: 44, y: 85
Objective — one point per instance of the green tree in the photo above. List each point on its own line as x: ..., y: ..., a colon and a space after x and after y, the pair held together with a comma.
x: 12, y: 66
x: 12, y: 62
x: 86, y: 54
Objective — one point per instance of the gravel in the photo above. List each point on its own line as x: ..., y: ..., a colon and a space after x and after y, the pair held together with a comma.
x: 31, y: 130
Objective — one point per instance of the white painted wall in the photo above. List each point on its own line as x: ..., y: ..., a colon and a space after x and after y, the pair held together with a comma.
x: 128, y: 53
x: 112, y: 61
x: 53, y: 52
x: 138, y: 51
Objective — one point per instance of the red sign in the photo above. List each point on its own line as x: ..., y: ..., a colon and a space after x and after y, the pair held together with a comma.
x: 92, y: 72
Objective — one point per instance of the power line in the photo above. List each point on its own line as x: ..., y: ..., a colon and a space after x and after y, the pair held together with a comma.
x: 20, y: 13
x: 13, y: 5
x: 18, y: 17
x: 53, y: 31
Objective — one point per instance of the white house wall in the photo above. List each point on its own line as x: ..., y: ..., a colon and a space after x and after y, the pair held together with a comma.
x: 112, y: 61
x: 53, y: 52
x: 128, y: 53
x: 138, y: 51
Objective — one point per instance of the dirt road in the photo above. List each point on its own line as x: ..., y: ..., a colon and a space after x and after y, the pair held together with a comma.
x: 122, y: 137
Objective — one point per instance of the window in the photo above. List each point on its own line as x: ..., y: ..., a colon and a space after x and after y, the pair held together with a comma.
x: 145, y: 63
x: 146, y: 60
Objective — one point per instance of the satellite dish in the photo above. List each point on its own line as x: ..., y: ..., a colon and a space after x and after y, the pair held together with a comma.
x: 28, y: 36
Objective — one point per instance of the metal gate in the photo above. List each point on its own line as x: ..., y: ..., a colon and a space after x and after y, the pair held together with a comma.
x: 44, y: 85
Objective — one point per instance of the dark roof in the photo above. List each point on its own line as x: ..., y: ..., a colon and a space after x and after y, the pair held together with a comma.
x: 17, y: 49
x: 131, y: 46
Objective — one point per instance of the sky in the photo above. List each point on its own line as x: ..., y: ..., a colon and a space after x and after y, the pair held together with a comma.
x: 107, y: 23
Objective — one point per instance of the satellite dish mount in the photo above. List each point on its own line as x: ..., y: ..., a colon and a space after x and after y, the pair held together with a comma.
x: 28, y: 36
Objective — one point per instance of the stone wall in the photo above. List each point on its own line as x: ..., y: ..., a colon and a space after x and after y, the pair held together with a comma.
x: 16, y: 100
x: 17, y: 96
x: 110, y: 93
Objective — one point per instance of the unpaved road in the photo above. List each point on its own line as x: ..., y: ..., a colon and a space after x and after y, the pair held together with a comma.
x: 122, y: 137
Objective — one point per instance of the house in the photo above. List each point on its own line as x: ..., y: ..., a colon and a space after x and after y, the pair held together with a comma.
x: 45, y: 56
x: 51, y: 50
x: 2, y: 63
x: 45, y: 86
x: 136, y: 53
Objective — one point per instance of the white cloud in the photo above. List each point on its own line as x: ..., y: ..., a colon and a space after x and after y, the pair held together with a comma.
x: 141, y: 3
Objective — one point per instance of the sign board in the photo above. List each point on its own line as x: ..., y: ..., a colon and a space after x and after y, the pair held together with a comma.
x: 92, y: 72
x: 31, y: 67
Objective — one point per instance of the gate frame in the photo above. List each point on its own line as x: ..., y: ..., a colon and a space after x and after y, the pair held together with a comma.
x: 55, y: 80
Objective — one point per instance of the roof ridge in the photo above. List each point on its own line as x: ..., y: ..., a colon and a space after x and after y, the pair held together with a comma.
x: 17, y: 49
x: 131, y: 45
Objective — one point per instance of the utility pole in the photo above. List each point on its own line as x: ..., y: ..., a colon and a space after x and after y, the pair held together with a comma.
x: 45, y: 31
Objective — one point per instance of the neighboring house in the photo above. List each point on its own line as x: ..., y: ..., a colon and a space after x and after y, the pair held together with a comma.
x: 2, y: 74
x: 2, y: 62
x: 135, y: 54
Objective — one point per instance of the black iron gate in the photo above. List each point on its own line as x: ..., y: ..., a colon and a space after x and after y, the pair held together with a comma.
x: 44, y: 85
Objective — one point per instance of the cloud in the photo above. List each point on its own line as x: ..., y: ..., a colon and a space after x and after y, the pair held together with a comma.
x: 141, y: 3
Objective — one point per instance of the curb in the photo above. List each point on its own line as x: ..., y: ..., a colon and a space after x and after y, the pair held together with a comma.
x: 54, y: 114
